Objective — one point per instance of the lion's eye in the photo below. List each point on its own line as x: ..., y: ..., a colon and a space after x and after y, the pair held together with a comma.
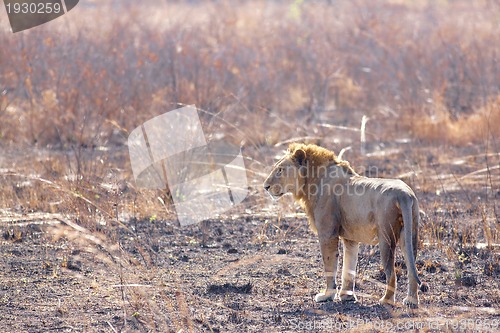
x: 280, y: 170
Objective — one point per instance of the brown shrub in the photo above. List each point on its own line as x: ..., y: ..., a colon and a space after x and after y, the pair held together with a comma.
x: 477, y: 127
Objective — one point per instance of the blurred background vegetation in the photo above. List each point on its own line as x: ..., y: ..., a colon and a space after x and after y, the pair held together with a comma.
x: 110, y: 65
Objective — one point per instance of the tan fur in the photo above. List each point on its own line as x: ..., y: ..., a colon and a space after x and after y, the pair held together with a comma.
x: 316, y: 158
x: 319, y: 156
x: 340, y: 204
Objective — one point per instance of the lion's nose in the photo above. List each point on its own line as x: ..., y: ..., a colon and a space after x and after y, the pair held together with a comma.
x: 267, y: 187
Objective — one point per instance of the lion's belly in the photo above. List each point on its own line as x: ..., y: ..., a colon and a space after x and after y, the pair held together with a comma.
x: 360, y: 210
x: 365, y: 233
x: 359, y: 226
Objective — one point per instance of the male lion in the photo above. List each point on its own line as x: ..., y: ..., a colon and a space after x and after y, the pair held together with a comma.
x: 341, y: 203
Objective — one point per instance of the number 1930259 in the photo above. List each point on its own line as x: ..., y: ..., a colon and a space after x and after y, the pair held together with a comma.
x: 34, y: 8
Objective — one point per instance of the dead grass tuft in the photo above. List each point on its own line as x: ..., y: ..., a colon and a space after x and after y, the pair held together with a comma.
x: 441, y: 127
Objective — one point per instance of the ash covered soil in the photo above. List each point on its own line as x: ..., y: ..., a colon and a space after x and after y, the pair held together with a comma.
x: 248, y: 274
x: 255, y: 271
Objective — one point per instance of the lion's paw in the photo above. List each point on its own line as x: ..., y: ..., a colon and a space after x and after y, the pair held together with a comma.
x: 386, y: 301
x: 348, y: 297
x: 324, y: 297
x: 411, y: 302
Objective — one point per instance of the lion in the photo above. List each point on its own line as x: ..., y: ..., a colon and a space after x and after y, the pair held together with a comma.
x: 339, y: 203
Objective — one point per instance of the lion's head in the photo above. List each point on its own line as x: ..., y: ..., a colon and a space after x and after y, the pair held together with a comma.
x: 285, y: 175
x: 301, y: 164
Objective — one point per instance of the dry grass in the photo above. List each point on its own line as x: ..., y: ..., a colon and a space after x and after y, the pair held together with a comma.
x: 477, y: 127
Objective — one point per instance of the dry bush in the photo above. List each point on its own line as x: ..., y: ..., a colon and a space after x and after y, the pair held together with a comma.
x: 304, y: 62
x: 477, y: 127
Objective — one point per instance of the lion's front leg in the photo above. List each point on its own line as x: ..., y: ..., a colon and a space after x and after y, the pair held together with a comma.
x: 330, y: 254
x: 349, y: 263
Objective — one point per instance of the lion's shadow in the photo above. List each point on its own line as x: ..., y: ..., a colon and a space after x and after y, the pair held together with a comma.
x: 352, y: 309
x: 340, y: 315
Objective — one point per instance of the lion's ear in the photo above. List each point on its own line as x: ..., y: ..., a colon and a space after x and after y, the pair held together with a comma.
x: 300, y: 156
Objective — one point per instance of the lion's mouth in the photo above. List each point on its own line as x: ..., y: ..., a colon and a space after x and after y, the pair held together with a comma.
x: 274, y: 191
x: 275, y: 196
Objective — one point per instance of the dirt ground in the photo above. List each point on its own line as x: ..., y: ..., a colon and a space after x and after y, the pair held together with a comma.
x: 172, y: 282
x: 246, y: 272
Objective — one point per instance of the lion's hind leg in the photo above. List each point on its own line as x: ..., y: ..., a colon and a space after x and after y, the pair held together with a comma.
x: 411, y: 300
x: 349, y: 263
x: 387, y: 251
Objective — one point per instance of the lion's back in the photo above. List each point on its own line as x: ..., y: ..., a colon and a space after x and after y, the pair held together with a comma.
x: 383, y: 186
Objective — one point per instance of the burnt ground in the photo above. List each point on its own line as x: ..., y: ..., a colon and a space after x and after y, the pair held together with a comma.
x: 252, y: 271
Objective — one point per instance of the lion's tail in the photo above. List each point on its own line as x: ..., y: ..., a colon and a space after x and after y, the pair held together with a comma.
x: 406, y: 210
